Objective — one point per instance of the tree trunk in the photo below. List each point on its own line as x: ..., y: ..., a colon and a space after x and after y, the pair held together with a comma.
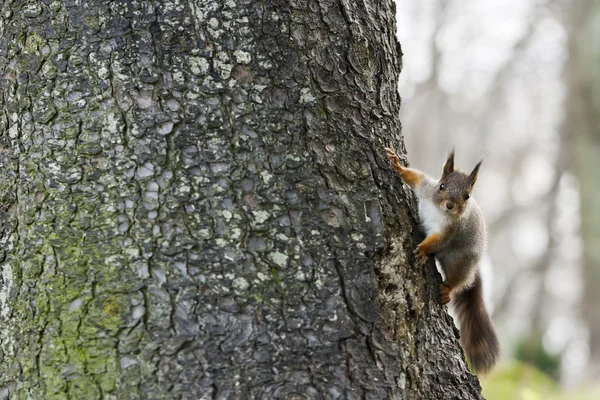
x: 583, y: 126
x: 197, y: 205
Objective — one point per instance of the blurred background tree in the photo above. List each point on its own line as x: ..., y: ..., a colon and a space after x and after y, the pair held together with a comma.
x: 583, y: 123
x: 518, y: 82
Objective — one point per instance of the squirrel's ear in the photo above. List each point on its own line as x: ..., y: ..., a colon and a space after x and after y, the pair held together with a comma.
x: 474, y: 173
x: 449, y: 165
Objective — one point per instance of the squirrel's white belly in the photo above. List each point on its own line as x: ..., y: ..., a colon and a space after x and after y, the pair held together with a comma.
x: 431, y: 216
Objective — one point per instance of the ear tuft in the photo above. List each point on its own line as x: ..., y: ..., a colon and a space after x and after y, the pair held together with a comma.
x: 449, y: 165
x: 475, y: 173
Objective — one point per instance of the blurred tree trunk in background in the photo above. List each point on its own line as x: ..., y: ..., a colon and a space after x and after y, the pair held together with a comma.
x: 583, y: 126
x: 197, y: 206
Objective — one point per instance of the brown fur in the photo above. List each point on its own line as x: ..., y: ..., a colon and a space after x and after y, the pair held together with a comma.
x: 477, y: 335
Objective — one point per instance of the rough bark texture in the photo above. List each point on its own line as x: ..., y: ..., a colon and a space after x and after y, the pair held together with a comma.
x: 583, y: 127
x: 196, y: 205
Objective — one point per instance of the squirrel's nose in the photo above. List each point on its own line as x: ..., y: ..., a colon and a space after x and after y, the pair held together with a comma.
x: 449, y: 205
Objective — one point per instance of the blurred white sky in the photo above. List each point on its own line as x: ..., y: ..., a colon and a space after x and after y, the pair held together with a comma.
x: 485, y: 76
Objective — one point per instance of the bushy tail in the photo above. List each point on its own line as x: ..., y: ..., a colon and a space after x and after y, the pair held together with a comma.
x: 477, y: 335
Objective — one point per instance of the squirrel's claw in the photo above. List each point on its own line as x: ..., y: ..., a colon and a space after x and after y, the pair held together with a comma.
x: 421, y: 256
x: 445, y: 294
x: 391, y: 155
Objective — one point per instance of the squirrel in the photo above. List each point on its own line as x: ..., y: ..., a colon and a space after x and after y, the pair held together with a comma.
x: 456, y: 235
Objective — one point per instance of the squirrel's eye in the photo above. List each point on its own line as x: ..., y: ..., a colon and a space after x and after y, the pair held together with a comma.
x: 467, y: 196
x: 442, y: 186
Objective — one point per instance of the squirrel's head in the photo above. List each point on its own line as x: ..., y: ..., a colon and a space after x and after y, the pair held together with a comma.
x: 454, y: 188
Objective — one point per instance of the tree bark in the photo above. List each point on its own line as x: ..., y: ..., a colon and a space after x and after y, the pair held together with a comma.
x: 197, y: 205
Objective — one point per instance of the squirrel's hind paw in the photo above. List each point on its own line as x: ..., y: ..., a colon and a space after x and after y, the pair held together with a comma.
x: 445, y: 291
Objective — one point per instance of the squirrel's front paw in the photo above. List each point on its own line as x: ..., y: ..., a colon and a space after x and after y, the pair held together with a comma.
x: 420, y: 255
x: 391, y: 155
